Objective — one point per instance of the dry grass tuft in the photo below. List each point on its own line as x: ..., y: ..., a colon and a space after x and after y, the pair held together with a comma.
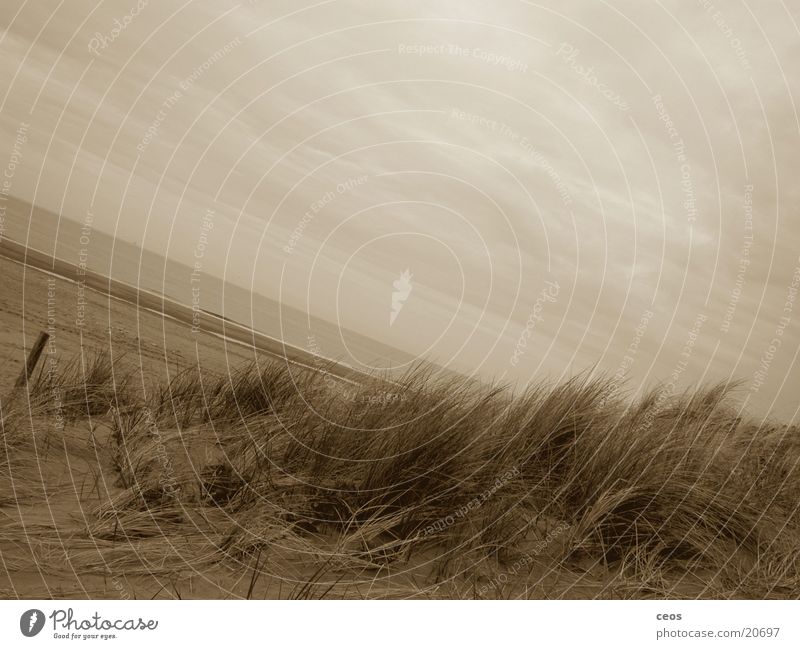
x: 437, y: 480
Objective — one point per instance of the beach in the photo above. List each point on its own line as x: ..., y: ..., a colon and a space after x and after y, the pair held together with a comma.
x: 90, y: 309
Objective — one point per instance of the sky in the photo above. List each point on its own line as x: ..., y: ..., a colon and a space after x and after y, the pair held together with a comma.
x: 605, y: 185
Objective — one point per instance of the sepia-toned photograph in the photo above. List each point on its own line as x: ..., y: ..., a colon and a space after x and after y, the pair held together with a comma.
x: 339, y: 300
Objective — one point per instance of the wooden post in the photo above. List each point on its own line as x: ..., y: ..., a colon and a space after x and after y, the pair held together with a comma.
x: 33, y: 358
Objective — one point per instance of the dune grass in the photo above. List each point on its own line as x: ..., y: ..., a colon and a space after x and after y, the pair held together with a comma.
x: 433, y: 485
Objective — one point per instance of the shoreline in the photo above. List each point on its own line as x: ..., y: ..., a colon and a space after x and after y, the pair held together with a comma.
x: 196, y: 321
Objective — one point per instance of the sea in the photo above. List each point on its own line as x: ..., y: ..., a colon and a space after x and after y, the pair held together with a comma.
x: 76, y: 243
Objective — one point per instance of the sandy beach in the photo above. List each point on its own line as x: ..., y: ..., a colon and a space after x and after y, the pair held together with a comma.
x: 78, y: 293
